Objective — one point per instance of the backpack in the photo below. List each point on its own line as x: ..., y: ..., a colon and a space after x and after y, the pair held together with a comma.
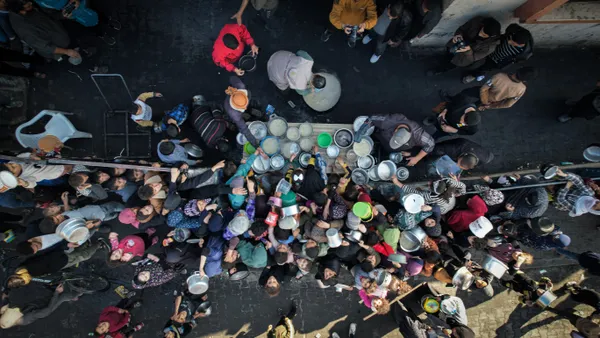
x: 210, y: 127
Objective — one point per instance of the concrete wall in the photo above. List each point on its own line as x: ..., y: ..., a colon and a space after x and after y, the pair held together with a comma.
x: 458, y: 12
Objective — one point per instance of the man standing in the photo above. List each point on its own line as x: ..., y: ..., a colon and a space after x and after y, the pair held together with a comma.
x: 229, y: 47
x: 472, y: 42
x: 426, y: 15
x: 288, y: 70
x: 467, y: 154
x: 396, y: 132
x: 516, y: 45
x: 351, y: 16
x: 172, y: 152
x: 45, y: 35
x: 588, y: 107
x: 392, y: 25
x: 503, y: 90
x: 459, y: 117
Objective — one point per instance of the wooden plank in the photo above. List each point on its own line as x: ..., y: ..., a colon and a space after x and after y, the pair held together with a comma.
x: 397, y: 299
x: 532, y: 10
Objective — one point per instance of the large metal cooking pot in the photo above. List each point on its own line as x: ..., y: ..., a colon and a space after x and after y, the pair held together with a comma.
x: 402, y: 174
x: 73, y: 230
x: 386, y: 170
x: 293, y: 134
x: 258, y: 130
x: 277, y: 120
x: 411, y: 240
x: 373, y: 174
x: 270, y: 142
x: 364, y: 147
x: 494, y: 266
x: 463, y: 278
x: 354, y: 236
x: 291, y: 210
x: 290, y: 148
x: 261, y: 165
x: 343, y: 138
x: 359, y: 122
x: 365, y: 162
x: 360, y: 176
x: 306, y: 129
x: 197, y: 284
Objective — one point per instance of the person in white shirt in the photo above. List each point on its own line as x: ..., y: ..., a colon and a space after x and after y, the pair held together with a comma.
x: 141, y: 111
x: 28, y: 174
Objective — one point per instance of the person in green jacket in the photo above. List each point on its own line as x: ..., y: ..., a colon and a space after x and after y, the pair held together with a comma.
x: 237, y: 180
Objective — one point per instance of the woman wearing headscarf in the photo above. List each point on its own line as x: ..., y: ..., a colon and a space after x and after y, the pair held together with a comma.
x: 576, y: 197
x: 328, y: 273
x: 131, y: 246
x: 459, y: 220
x: 141, y: 218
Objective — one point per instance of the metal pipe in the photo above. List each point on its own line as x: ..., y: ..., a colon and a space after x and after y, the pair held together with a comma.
x: 542, y: 184
x: 60, y: 161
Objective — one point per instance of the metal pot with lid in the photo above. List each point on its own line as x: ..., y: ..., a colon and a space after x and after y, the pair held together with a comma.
x: 261, y: 165
x: 197, y: 284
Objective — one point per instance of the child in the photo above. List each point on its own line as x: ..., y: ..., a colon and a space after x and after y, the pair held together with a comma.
x: 142, y: 112
x: 172, y: 121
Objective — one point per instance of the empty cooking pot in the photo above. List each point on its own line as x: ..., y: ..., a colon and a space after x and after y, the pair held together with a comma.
x: 197, y: 284
x: 494, y: 266
x: 411, y: 240
x: 290, y: 148
x: 386, y: 170
x: 358, y: 122
x: 360, y: 176
x: 343, y: 138
x: 549, y: 171
x: 592, y: 153
x: 261, y: 165
x: 373, y: 174
x: 354, y: 236
x: 396, y: 157
x: 248, y: 62
x: 277, y: 162
x: 333, y: 238
x: 304, y: 158
x: 333, y: 151
x: 463, y: 278
x: 365, y: 162
x: 258, y: 129
x: 402, y: 174
x: 205, y: 308
x: 73, y: 230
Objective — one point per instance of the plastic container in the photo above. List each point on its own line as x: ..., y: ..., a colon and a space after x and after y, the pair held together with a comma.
x: 324, y: 140
x: 249, y: 148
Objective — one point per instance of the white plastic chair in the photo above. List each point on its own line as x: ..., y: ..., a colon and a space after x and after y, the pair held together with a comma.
x: 58, y: 126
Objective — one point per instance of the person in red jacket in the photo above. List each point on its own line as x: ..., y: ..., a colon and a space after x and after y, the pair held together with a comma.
x: 229, y: 47
x: 459, y: 220
x: 114, y: 320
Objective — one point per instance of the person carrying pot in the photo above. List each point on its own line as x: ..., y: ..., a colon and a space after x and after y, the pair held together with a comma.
x: 294, y: 71
x: 229, y: 47
x: 398, y: 133
x: 576, y: 197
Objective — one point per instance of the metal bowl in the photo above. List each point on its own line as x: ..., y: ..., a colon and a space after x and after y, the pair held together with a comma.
x: 396, y: 157
x: 277, y: 162
x: 402, y: 174
x: 592, y: 153
x: 197, y: 284
x: 73, y: 230
x: 193, y: 150
x: 261, y: 165
x: 373, y: 174
x: 354, y: 236
x: 333, y: 151
x: 258, y: 130
x: 343, y: 138
x: 351, y: 156
x: 549, y: 170
x: 411, y: 240
x: 304, y: 158
x: 386, y: 170
x: 360, y: 176
x: 205, y: 308
x: 413, y: 203
x: 365, y: 162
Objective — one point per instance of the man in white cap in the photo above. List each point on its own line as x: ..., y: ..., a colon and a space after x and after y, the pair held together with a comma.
x: 398, y: 133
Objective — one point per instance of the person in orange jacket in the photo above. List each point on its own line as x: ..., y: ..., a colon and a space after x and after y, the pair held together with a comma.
x: 229, y: 47
x: 351, y: 16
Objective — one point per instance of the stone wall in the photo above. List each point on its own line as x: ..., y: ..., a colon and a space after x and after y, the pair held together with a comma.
x: 458, y: 12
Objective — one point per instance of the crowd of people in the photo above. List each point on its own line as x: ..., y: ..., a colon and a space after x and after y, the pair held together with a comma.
x: 300, y: 222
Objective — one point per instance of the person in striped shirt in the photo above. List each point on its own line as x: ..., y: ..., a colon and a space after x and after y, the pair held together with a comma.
x: 516, y: 45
